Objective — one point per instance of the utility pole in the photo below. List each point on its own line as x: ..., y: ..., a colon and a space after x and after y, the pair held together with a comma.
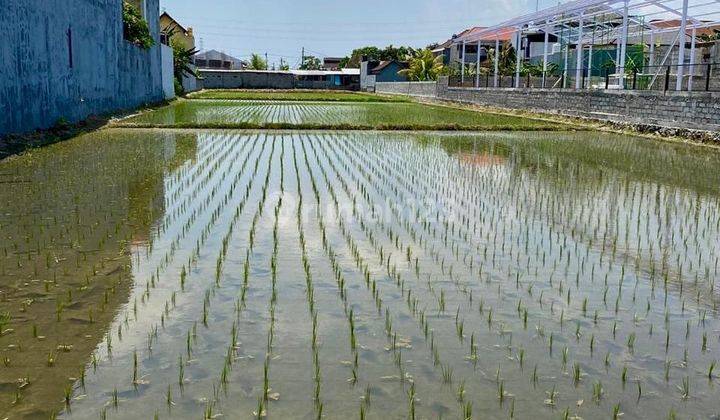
x: 302, y: 57
x: 266, y: 60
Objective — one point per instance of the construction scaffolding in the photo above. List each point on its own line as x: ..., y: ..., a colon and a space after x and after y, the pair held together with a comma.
x: 610, y: 44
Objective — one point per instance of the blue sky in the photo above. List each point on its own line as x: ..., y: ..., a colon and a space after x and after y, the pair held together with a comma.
x: 333, y: 28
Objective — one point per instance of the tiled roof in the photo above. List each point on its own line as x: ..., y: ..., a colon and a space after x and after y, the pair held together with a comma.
x: 380, y: 67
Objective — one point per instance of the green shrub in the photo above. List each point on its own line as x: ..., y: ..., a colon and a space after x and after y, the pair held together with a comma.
x: 135, y: 28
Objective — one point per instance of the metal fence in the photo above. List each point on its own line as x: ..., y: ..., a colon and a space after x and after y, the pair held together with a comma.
x: 695, y: 77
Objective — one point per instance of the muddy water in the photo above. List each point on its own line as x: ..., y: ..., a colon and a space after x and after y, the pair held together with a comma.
x: 297, y: 275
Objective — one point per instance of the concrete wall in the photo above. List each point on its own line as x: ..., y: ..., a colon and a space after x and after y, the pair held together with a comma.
x: 422, y: 89
x: 219, y: 79
x: 168, y: 74
x: 693, y: 110
x: 68, y: 59
x: 190, y: 83
x: 248, y: 79
x: 367, y: 81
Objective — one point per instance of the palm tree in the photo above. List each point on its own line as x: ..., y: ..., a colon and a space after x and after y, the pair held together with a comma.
x: 257, y: 63
x: 424, y: 66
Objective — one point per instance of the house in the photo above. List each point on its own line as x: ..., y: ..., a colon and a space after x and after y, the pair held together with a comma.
x: 327, y: 79
x: 387, y: 71
x: 452, y: 52
x: 331, y: 63
x: 171, y: 27
x: 706, y: 51
x: 171, y: 32
x: 443, y: 50
x: 372, y: 72
x: 217, y: 60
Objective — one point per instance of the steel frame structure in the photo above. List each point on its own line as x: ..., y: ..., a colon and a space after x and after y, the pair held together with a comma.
x: 577, y: 22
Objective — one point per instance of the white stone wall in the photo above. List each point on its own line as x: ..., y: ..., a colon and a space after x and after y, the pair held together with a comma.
x: 168, y: 77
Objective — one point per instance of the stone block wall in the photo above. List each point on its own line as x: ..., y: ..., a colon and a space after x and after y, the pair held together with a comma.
x: 692, y: 110
x: 422, y: 89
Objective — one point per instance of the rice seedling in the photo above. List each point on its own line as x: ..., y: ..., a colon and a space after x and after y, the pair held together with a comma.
x: 684, y: 388
x: 467, y: 410
x: 447, y: 374
x: 598, y: 391
x: 616, y: 412
x: 577, y: 374
x: 523, y: 249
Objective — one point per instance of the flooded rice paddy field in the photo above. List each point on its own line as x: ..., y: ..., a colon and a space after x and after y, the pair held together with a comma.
x: 199, y: 113
x: 189, y: 274
x: 296, y: 95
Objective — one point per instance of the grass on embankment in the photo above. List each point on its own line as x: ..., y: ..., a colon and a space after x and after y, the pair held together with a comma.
x: 347, y: 127
x: 294, y: 96
x: 336, y: 116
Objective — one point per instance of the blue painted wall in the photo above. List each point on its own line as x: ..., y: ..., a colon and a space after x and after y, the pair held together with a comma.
x: 40, y: 82
x: 390, y: 74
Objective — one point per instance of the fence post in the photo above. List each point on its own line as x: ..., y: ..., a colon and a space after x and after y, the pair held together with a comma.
x: 667, y: 78
x: 634, y: 79
x: 528, y: 81
x: 562, y: 80
x: 487, y: 79
x: 707, y: 77
x: 583, y: 80
x: 607, y: 78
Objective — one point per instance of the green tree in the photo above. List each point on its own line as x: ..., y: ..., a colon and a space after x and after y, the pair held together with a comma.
x: 715, y: 36
x: 506, y: 60
x: 376, y: 54
x: 311, y: 63
x: 182, y: 61
x: 424, y: 66
x: 182, y: 58
x: 135, y: 28
x: 257, y: 63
